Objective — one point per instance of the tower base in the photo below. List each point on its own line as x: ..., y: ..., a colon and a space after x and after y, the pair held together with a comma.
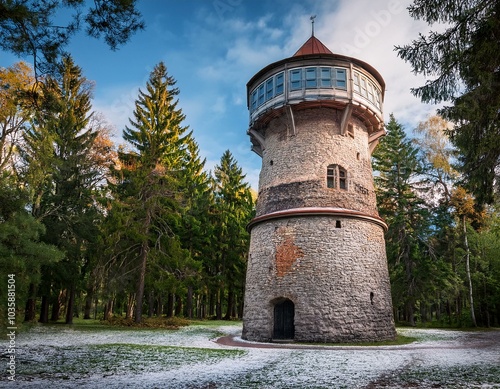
x: 317, y: 279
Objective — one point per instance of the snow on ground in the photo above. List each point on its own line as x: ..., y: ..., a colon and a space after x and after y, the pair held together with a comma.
x: 62, y: 357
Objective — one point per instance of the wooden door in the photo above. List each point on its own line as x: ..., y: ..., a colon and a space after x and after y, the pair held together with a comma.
x: 284, y: 314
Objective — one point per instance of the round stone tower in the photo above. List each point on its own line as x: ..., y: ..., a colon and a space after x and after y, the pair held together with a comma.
x: 317, y: 267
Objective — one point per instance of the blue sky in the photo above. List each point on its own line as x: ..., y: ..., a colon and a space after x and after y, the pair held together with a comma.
x: 213, y: 47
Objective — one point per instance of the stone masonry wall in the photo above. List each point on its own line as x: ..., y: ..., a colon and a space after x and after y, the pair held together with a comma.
x: 335, y: 274
x: 294, y: 167
x: 333, y: 269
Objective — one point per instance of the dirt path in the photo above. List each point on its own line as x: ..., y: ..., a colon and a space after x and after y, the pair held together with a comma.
x: 429, y: 363
x: 474, y: 340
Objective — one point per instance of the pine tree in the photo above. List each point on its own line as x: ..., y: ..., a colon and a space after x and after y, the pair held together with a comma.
x: 28, y: 27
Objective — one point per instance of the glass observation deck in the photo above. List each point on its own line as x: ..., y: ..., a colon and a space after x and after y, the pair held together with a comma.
x: 312, y: 80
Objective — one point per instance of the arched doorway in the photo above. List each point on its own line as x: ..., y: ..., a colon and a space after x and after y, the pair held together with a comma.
x: 284, y: 313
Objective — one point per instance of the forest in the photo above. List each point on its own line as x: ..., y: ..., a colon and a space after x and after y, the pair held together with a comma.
x: 93, y: 228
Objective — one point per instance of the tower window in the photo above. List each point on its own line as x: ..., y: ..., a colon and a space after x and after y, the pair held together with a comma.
x: 279, y: 83
x: 364, y: 92
x: 326, y: 77
x: 261, y: 94
x: 336, y: 177
x: 311, y: 78
x: 357, y: 86
x: 253, y: 100
x: 340, y: 78
x: 269, y: 89
x: 296, y: 79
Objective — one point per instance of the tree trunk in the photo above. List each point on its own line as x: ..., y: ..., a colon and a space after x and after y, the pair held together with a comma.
x: 143, y: 264
x: 151, y: 304
x: 211, y: 304
x: 469, y: 279
x: 108, y: 309
x: 230, y: 304
x: 130, y: 306
x: 189, y: 302
x: 142, y: 276
x: 71, y: 304
x: 219, y: 305
x: 88, y: 304
x: 170, y: 305
x: 410, y: 301
x: 44, y: 310
x: 29, y: 312
x: 159, y: 306
x: 178, y: 305
x: 56, y: 306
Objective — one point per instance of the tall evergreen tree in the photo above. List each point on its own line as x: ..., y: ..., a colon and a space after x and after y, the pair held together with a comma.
x: 150, y: 172
x: 195, y: 230
x: 22, y: 252
x: 233, y: 211
x: 62, y: 176
x: 398, y: 168
x: 465, y: 61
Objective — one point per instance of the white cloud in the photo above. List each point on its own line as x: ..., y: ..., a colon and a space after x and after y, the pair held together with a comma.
x: 367, y: 30
x: 218, y: 50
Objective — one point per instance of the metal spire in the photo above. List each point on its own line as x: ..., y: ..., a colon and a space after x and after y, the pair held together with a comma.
x: 312, y: 24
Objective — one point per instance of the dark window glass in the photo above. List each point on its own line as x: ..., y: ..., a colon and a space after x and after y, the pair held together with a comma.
x: 311, y: 81
x: 296, y: 79
x: 279, y: 84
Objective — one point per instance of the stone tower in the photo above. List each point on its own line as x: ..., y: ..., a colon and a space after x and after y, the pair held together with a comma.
x: 317, y: 267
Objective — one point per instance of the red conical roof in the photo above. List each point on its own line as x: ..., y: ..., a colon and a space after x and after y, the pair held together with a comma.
x: 312, y: 46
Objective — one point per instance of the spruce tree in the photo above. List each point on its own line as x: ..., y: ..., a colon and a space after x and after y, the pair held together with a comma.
x: 398, y: 167
x: 62, y: 176
x: 233, y: 211
x: 462, y: 65
x: 149, y: 183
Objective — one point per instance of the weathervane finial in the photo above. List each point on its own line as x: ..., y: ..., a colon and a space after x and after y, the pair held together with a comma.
x: 312, y: 24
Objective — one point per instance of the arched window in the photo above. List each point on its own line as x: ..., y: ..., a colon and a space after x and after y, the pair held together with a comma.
x: 336, y: 177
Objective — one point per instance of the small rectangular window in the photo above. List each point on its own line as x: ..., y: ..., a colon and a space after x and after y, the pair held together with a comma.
x: 253, y: 100
x: 331, y: 176
x: 326, y: 77
x: 363, y: 88
x: 357, y: 87
x: 261, y: 95
x: 311, y: 81
x: 279, y: 81
x: 296, y: 79
x: 342, y: 179
x: 371, y: 97
x: 269, y: 89
x: 340, y: 78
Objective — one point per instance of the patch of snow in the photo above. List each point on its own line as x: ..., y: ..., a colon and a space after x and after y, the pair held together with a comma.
x: 61, y: 357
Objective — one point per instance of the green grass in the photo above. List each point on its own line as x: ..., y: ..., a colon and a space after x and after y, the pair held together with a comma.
x: 117, y: 358
x: 215, y: 323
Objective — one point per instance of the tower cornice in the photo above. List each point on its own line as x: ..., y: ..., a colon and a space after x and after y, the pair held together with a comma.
x: 318, y: 211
